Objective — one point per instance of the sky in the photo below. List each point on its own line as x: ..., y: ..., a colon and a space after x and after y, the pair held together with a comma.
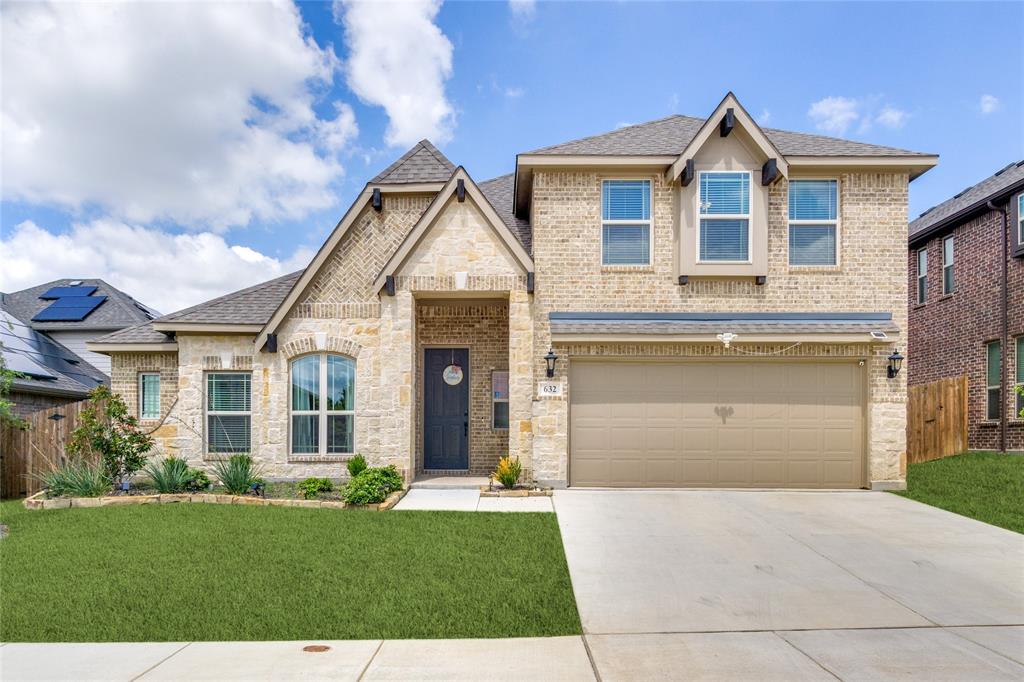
x: 184, y: 150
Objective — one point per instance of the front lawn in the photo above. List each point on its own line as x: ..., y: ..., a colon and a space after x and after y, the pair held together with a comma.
x: 223, y: 572
x: 987, y: 486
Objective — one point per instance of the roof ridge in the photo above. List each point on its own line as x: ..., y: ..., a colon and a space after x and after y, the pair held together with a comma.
x: 436, y: 153
x: 836, y: 139
x: 615, y: 130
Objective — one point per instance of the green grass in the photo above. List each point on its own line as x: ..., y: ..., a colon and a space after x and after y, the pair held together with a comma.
x: 987, y: 486
x: 219, y: 572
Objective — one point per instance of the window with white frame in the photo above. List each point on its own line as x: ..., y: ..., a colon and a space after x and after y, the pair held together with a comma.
x: 323, y: 403
x: 724, y: 234
x: 993, y: 380
x: 626, y: 222
x: 813, y: 222
x: 149, y: 395
x: 228, y: 413
x: 1019, y: 387
x: 1020, y: 219
x: 947, y: 265
x: 922, y: 275
x: 499, y: 399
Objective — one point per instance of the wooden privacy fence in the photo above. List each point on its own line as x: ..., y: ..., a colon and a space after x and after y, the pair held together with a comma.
x: 25, y: 453
x: 936, y: 419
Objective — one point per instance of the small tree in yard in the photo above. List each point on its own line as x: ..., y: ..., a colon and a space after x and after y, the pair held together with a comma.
x: 108, y: 432
x: 7, y: 415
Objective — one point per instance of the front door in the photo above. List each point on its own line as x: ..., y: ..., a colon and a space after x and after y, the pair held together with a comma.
x: 446, y: 408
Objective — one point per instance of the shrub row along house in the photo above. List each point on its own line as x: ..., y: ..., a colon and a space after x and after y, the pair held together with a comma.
x: 967, y: 303
x: 686, y: 302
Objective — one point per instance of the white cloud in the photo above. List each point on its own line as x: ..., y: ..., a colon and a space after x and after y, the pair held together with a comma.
x: 891, y: 117
x: 196, y: 113
x: 523, y: 11
x: 765, y: 118
x: 988, y: 104
x: 514, y: 93
x: 400, y: 60
x: 834, y: 114
x: 166, y: 271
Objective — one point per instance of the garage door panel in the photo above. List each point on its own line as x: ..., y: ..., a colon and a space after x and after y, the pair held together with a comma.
x: 714, y: 423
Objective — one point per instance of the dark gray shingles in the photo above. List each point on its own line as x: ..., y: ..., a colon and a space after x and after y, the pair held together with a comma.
x: 142, y: 333
x: 1002, y: 180
x: 118, y: 311
x: 499, y: 192
x: 423, y: 163
x: 669, y: 137
x: 252, y: 305
x: 24, y: 347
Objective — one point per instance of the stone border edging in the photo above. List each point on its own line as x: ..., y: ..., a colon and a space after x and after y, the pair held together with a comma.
x: 486, y: 492
x: 37, y: 501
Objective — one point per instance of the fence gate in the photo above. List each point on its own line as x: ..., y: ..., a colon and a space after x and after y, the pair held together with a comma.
x: 25, y: 453
x: 936, y: 419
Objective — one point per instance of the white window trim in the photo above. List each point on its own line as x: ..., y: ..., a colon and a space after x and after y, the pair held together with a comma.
x: 499, y: 400
x: 948, y: 266
x: 749, y: 217
x: 142, y: 401
x: 997, y: 386
x: 323, y: 413
x: 836, y: 223
x: 1018, y: 360
x: 1020, y: 219
x: 649, y: 222
x: 922, y: 293
x: 228, y: 413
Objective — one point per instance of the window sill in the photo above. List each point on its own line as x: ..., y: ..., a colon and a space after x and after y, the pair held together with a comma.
x: 811, y: 269
x: 916, y: 306
x: 316, y: 459
x: 626, y: 268
x: 208, y: 457
x: 989, y: 422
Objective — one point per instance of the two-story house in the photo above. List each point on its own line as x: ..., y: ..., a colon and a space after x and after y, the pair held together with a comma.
x: 686, y: 302
x: 967, y: 303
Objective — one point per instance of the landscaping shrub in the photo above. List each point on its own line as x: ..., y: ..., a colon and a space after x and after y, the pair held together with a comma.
x: 508, y: 472
x: 198, y: 480
x: 373, y: 485
x: 237, y: 474
x: 109, y: 433
x: 356, y: 465
x: 76, y: 478
x: 311, y: 487
x: 170, y: 475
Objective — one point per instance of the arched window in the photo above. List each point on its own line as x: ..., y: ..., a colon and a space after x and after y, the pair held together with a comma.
x: 323, y: 405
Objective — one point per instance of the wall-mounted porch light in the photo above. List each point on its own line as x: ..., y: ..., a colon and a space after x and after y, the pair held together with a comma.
x: 550, y: 358
x: 895, y: 363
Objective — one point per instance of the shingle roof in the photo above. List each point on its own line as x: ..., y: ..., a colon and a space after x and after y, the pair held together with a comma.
x: 118, y: 311
x: 713, y: 323
x: 669, y: 137
x: 995, y: 184
x: 499, y: 192
x: 422, y: 163
x: 141, y: 333
x: 46, y: 366
x: 252, y: 305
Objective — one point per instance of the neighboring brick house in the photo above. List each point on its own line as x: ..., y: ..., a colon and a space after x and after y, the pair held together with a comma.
x: 686, y: 302
x: 966, y: 266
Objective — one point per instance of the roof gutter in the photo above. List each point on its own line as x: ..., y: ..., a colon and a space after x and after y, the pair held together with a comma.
x: 964, y: 214
x: 1004, y: 343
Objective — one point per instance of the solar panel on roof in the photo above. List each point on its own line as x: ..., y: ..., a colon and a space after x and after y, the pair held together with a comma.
x: 63, y: 292
x: 22, y: 364
x: 74, y: 309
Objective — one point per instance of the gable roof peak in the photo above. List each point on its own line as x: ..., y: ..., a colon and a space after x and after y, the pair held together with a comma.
x: 423, y: 162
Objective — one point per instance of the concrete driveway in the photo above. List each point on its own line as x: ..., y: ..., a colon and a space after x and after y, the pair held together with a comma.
x: 792, y: 584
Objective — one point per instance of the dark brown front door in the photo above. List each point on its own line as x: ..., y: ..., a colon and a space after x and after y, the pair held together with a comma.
x: 446, y: 408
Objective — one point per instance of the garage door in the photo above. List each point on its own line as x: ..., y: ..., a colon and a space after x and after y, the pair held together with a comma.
x: 716, y: 424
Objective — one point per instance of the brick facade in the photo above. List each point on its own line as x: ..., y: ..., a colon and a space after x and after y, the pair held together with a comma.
x: 949, y: 333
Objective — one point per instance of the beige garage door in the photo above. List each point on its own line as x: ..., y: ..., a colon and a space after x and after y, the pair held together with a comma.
x: 717, y: 424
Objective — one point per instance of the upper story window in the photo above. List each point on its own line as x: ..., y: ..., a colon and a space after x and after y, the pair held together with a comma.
x: 149, y: 395
x: 626, y: 222
x: 813, y: 222
x: 323, y: 402
x: 228, y: 412
x: 724, y: 234
x: 947, y: 265
x: 1019, y: 359
x: 922, y: 275
x: 994, y: 408
x: 1020, y: 219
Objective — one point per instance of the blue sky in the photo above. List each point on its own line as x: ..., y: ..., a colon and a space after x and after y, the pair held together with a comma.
x: 497, y: 78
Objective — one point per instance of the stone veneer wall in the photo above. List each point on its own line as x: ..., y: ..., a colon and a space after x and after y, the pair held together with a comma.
x: 125, y: 369
x: 483, y: 328
x: 870, y: 277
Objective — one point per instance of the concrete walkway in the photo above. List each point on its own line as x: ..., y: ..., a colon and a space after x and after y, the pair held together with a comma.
x: 926, y: 654
x: 441, y: 499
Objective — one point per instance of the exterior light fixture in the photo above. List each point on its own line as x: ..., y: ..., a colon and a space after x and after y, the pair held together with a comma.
x: 550, y: 358
x: 895, y: 363
x: 726, y: 338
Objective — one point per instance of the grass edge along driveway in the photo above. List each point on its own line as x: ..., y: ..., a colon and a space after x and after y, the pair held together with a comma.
x: 221, y: 572
x: 987, y: 486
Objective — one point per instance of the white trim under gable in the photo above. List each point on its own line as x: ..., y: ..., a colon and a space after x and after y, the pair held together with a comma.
x: 742, y: 119
x: 431, y: 215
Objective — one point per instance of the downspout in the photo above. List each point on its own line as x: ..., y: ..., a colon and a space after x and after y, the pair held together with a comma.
x: 1004, y: 342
